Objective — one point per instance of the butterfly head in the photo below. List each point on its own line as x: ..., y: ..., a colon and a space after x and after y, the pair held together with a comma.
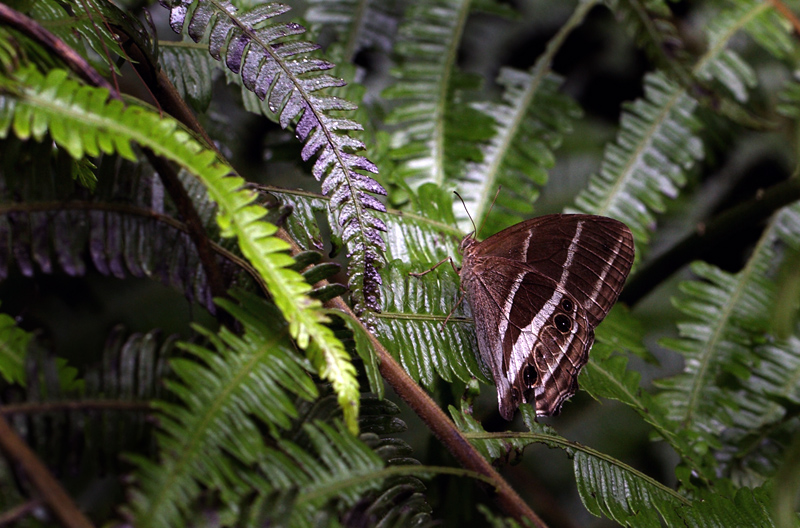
x: 466, y: 243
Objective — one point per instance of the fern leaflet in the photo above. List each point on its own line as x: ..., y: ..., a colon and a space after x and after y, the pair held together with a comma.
x: 657, y: 143
x: 428, y: 41
x: 730, y: 316
x: 277, y: 71
x: 13, y: 350
x: 529, y: 123
x: 81, y: 120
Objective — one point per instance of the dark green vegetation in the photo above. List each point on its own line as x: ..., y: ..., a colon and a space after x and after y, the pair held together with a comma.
x: 237, y: 388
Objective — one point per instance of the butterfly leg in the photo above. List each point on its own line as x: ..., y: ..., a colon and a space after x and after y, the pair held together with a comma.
x: 436, y: 266
x: 461, y: 298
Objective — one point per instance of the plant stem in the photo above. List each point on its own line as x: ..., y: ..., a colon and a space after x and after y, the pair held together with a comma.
x: 52, y: 494
x: 707, y: 236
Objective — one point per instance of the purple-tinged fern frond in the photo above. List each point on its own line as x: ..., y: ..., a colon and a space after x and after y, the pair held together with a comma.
x: 280, y: 72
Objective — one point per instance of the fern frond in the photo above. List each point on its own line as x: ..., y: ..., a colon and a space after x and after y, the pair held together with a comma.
x: 657, y: 143
x: 125, y: 228
x: 84, y: 21
x: 607, y: 376
x: 278, y: 71
x: 730, y: 316
x: 191, y: 69
x: 722, y: 64
x: 81, y: 120
x: 81, y: 423
x: 13, y: 350
x: 607, y: 486
x: 427, y: 119
x: 727, y: 311
x: 611, y: 488
x: 765, y: 419
x: 425, y: 234
x: 530, y: 123
x: 410, y: 325
x: 413, y: 309
x: 789, y: 97
x: 217, y: 417
x: 344, y: 468
x: 654, y: 30
x: 356, y: 24
x: 399, y: 496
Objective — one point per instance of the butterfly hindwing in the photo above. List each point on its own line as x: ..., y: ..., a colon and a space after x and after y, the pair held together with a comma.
x: 537, y: 291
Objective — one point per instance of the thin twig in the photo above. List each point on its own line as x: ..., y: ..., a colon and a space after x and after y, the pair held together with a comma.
x: 439, y: 423
x: 17, y: 513
x: 52, y: 494
x: 787, y: 13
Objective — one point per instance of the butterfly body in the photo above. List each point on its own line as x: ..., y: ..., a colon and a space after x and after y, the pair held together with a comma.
x: 537, y: 291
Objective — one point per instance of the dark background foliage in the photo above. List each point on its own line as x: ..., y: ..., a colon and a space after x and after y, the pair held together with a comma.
x: 105, y: 277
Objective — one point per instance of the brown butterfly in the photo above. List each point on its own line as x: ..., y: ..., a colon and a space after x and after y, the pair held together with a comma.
x: 537, y: 291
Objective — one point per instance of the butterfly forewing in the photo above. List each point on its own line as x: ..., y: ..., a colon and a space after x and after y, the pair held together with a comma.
x: 537, y: 290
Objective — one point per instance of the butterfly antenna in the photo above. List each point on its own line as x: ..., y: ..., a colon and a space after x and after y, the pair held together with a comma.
x: 490, y: 209
x: 475, y: 230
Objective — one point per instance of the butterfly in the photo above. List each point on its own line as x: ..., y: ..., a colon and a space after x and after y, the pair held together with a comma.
x: 537, y: 291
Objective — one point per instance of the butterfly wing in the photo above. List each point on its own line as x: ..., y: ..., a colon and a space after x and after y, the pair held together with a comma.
x: 537, y: 290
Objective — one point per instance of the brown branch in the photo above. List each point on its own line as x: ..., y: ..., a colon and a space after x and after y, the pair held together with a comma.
x: 437, y: 421
x: 52, y: 494
x: 444, y: 428
x: 787, y: 13
x: 71, y: 58
x: 162, y: 89
x: 165, y: 170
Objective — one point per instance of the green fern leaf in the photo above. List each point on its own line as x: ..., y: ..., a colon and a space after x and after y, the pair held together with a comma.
x: 656, y: 145
x: 425, y: 233
x: 493, y: 449
x: 81, y: 120
x: 411, y: 325
x: 730, y: 315
x: 724, y: 65
x: 789, y: 97
x: 105, y: 408
x: 654, y: 30
x: 425, y: 137
x: 356, y: 24
x: 766, y: 400
x: 607, y: 486
x: 191, y: 69
x: 10, y: 52
x: 278, y: 72
x: 365, y: 351
x: 117, y: 231
x: 529, y: 123
x: 413, y: 309
x: 13, y: 350
x: 613, y: 489
x: 606, y: 376
x: 86, y: 22
x: 742, y: 507
x: 216, y: 417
